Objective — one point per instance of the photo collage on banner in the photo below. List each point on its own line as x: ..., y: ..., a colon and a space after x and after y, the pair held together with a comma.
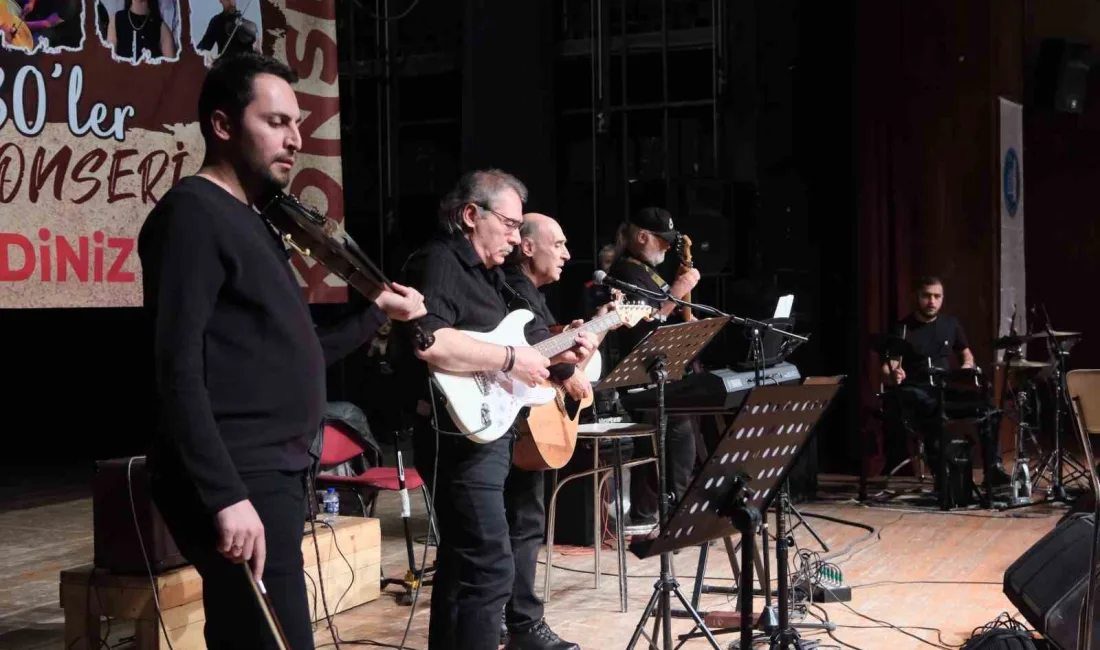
x: 98, y: 110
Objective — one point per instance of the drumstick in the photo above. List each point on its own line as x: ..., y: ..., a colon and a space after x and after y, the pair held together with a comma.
x: 265, y: 605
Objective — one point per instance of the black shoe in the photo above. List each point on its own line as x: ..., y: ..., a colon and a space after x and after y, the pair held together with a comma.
x: 540, y: 637
x: 998, y: 476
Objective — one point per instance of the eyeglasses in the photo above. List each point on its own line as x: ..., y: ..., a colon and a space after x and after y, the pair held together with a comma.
x: 511, y: 224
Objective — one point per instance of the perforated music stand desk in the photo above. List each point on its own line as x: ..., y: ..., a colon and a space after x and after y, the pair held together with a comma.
x: 679, y: 344
x: 761, y: 446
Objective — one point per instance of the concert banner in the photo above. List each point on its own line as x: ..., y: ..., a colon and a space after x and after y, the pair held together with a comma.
x: 1013, y: 270
x: 98, y: 119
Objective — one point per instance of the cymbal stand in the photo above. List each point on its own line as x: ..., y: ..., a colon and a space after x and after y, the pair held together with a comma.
x: 1058, y: 459
x: 1056, y: 462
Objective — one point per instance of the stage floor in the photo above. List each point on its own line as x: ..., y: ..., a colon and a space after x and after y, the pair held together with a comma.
x: 920, y: 568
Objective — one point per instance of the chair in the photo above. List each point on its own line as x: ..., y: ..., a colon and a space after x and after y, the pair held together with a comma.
x: 615, y: 432
x: 338, y: 447
x: 1083, y: 387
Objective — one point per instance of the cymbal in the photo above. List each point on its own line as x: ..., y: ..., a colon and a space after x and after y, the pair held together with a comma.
x: 891, y: 344
x: 1018, y: 340
x: 1024, y: 364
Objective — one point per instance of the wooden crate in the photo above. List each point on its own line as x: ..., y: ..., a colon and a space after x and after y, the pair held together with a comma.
x: 87, y: 592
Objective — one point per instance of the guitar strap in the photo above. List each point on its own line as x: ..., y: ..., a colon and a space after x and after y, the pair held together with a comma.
x: 653, y: 275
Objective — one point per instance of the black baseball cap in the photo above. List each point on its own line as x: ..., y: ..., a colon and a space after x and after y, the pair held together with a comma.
x: 657, y: 221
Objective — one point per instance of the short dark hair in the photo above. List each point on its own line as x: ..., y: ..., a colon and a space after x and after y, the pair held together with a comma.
x: 927, y: 281
x: 228, y: 85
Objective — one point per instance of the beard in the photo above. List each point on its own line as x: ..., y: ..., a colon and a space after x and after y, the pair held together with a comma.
x: 273, y: 180
x: 656, y: 259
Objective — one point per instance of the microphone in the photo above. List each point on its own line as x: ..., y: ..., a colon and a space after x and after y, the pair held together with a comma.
x: 600, y: 277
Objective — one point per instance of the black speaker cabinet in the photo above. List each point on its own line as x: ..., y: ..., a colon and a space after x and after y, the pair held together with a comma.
x: 1061, y: 79
x: 1048, y: 581
x: 115, y: 538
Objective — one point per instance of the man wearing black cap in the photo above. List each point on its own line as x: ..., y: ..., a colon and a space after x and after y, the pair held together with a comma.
x: 641, y: 245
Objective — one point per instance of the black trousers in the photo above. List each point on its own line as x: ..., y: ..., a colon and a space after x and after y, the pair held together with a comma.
x: 524, y: 501
x: 234, y: 620
x: 475, y: 565
x: 680, y: 447
x: 919, y: 406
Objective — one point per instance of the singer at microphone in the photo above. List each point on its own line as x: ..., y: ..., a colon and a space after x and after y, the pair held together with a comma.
x: 641, y: 245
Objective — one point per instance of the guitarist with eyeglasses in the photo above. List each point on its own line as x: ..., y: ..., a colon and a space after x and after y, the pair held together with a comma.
x: 465, y: 290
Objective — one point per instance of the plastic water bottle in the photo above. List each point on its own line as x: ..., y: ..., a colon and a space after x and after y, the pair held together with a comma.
x: 330, y: 505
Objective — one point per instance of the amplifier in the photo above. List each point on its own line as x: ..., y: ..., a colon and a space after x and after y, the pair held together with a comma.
x: 116, y: 545
x: 1047, y: 582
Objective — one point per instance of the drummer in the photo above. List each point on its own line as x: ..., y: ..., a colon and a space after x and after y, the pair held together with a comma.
x: 932, y: 339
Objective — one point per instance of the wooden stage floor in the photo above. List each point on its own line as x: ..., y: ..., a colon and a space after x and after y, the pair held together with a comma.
x: 920, y: 570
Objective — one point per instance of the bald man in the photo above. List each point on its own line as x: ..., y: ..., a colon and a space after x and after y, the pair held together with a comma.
x: 534, y: 263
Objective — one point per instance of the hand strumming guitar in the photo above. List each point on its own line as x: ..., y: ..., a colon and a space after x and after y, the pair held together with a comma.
x: 530, y: 367
x: 577, y: 386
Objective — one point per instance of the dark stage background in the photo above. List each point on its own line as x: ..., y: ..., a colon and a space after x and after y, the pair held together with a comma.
x: 830, y: 150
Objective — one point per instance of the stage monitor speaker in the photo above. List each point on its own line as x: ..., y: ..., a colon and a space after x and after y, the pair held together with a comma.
x: 1048, y: 581
x: 1061, y: 76
x: 115, y: 540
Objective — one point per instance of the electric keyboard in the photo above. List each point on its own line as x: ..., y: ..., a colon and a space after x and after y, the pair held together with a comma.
x: 715, y: 390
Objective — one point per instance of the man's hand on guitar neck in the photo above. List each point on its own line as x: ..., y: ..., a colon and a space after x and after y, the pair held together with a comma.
x: 584, y: 344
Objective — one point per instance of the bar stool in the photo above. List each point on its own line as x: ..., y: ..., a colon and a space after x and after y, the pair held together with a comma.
x: 616, y: 432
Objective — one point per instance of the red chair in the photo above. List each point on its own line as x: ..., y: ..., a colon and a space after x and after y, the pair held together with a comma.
x: 338, y: 447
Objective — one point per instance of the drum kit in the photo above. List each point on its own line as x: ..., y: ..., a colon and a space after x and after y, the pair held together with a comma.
x: 1022, y: 383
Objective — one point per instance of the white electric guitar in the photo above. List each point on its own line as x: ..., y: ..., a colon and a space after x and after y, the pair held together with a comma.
x: 485, y: 404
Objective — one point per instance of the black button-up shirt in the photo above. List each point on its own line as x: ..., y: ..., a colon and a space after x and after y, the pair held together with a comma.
x: 459, y: 292
x: 527, y: 296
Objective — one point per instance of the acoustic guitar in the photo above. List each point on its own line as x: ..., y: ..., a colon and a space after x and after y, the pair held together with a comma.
x: 548, y: 435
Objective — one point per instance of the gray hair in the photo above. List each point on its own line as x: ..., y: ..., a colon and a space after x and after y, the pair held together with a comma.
x: 479, y: 187
x: 624, y: 237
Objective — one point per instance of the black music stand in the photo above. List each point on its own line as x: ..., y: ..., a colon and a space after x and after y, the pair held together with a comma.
x: 663, y: 355
x: 739, y: 481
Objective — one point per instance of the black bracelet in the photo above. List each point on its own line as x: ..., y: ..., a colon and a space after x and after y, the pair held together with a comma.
x: 510, y: 362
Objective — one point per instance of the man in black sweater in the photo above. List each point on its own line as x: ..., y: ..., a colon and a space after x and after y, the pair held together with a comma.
x: 239, y: 365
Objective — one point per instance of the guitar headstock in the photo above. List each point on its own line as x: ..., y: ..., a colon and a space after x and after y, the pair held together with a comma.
x: 630, y: 314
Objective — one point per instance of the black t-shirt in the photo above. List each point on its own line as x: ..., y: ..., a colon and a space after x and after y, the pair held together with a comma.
x: 527, y: 296
x: 937, y: 340
x: 630, y: 269
x: 240, y: 368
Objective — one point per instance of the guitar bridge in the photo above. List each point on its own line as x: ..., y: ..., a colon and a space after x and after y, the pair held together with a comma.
x: 482, y: 383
